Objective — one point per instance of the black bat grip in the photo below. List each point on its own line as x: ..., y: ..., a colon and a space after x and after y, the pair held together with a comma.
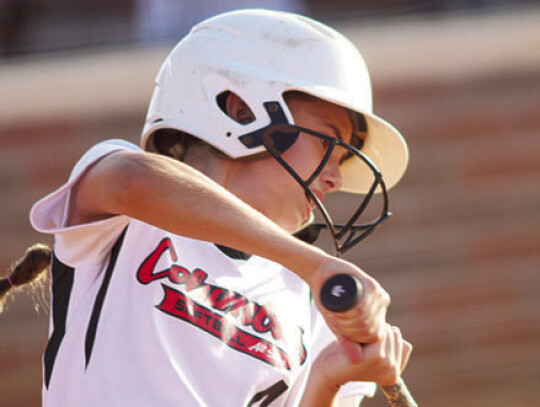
x: 340, y: 293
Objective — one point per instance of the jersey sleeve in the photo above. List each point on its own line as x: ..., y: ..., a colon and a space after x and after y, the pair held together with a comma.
x: 84, y: 243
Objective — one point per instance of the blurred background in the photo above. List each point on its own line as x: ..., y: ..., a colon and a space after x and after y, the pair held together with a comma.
x: 460, y: 79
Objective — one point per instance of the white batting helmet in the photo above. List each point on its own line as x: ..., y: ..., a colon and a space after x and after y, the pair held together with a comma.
x: 259, y: 55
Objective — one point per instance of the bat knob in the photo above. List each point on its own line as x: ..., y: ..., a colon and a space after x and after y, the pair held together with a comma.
x: 340, y: 292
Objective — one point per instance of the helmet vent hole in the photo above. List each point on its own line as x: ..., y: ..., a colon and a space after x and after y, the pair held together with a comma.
x: 234, y: 107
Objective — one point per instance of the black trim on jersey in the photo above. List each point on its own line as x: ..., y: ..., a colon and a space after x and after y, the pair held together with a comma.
x: 233, y: 253
x: 100, y: 298
x: 267, y: 396
x: 62, y: 283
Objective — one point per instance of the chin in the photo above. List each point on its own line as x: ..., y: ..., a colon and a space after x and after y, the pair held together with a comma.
x: 302, y: 224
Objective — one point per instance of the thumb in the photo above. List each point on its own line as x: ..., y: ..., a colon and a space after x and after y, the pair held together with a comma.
x: 352, y: 350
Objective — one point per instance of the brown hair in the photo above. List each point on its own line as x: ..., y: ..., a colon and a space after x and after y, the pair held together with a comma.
x: 25, y: 270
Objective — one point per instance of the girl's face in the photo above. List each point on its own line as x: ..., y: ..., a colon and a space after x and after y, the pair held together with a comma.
x: 269, y: 188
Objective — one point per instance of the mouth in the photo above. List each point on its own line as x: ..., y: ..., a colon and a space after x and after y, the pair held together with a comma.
x: 311, y: 202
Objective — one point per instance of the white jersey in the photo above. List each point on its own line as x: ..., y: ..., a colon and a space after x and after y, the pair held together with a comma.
x: 143, y: 317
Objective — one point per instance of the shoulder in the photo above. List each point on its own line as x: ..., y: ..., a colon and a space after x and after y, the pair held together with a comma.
x: 100, y: 151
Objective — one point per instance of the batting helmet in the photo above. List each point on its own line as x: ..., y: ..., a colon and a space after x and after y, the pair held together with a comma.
x: 259, y: 55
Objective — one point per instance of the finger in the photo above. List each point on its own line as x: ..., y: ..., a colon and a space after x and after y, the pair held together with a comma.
x: 352, y: 350
x: 390, y: 348
x: 390, y: 345
x: 405, y: 354
x: 386, y: 358
x: 356, y: 330
x: 363, y: 328
x: 398, y: 348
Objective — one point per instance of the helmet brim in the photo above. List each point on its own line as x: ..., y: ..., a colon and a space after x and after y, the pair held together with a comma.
x: 385, y: 147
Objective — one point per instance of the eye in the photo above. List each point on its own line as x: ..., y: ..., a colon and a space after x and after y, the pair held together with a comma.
x: 324, y: 142
x: 345, y: 157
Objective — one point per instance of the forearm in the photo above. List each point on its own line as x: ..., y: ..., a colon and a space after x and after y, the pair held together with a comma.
x: 177, y: 198
x: 318, y: 392
x: 318, y: 398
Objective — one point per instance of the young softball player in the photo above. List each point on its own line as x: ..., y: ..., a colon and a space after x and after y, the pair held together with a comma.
x: 176, y: 276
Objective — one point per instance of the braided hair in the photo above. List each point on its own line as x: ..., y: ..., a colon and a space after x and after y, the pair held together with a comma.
x: 25, y: 270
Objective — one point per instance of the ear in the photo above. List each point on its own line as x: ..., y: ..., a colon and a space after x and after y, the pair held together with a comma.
x: 237, y: 109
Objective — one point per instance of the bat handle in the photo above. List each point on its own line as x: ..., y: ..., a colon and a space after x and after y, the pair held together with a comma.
x: 340, y: 293
x: 398, y: 395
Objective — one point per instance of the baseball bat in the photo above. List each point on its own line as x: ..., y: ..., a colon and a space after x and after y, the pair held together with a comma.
x: 340, y: 293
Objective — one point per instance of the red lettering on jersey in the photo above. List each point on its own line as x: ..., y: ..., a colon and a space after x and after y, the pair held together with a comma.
x: 178, y: 274
x: 263, y: 321
x: 246, y: 312
x: 177, y: 304
x: 225, y: 300
x: 146, y: 271
x: 196, y: 279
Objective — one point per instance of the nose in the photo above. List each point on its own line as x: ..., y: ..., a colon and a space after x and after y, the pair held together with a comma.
x: 330, y: 177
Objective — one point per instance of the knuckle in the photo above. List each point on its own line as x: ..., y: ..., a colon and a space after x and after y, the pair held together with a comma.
x: 386, y: 298
x: 408, y: 345
x: 371, y: 334
x: 369, y: 283
x: 407, y: 348
x: 379, y: 334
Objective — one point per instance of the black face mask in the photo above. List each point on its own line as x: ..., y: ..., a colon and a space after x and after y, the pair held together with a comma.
x: 278, y: 136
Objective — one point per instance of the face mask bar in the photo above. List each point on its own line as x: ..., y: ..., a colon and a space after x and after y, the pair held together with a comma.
x: 278, y: 137
x: 348, y: 235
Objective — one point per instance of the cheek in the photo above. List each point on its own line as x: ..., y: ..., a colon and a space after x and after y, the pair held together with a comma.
x: 275, y: 184
x: 304, y: 156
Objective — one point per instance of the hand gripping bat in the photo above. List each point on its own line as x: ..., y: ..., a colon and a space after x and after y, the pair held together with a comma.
x: 340, y: 293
